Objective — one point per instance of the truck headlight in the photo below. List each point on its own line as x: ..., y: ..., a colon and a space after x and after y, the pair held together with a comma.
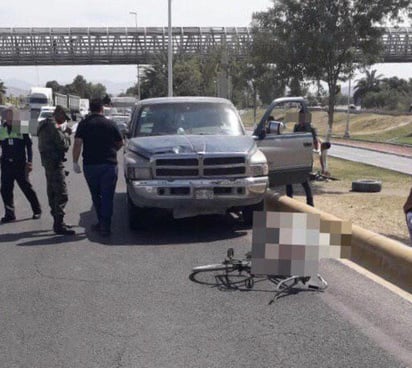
x: 136, y: 167
x: 258, y: 170
x: 257, y: 164
x: 138, y: 173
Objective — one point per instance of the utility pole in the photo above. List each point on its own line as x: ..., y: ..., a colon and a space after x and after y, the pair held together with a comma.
x: 169, y: 53
x: 347, y: 135
x: 137, y: 61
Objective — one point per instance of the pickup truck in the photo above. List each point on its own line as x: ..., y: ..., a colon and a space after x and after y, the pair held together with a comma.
x: 192, y: 156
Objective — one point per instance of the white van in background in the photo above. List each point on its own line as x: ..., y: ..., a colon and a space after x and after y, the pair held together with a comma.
x: 45, y: 112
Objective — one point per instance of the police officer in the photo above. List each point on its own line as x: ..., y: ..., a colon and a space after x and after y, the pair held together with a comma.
x: 16, y: 163
x: 53, y: 144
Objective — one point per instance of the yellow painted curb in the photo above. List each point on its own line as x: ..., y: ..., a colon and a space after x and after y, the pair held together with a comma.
x: 385, y: 257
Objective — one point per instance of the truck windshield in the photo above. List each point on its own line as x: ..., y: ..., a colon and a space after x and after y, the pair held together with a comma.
x: 191, y: 118
x: 38, y: 100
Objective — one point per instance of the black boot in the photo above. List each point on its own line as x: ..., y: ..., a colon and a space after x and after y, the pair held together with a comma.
x: 59, y: 227
x: 8, y: 217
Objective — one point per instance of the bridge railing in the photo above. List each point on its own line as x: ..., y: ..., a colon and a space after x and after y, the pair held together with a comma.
x: 131, y: 45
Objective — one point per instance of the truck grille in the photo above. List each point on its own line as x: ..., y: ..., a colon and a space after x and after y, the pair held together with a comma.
x: 200, y: 167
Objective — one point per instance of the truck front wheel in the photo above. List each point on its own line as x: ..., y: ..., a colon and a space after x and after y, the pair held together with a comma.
x: 247, y: 212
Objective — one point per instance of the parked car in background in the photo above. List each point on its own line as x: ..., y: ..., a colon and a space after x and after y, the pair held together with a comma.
x: 122, y: 122
x: 45, y: 112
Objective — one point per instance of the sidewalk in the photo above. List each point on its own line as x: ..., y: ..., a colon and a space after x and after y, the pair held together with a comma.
x: 405, y: 151
x: 375, y: 155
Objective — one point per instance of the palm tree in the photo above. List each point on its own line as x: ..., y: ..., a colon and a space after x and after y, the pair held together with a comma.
x: 3, y: 89
x: 370, y: 83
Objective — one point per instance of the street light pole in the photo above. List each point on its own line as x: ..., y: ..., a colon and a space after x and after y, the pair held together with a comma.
x: 169, y: 53
x: 347, y: 135
x: 138, y: 76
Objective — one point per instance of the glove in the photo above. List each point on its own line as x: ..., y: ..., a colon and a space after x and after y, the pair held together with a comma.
x: 76, y: 168
x: 28, y: 167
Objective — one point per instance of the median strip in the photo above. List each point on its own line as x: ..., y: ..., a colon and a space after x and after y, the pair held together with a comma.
x: 385, y: 257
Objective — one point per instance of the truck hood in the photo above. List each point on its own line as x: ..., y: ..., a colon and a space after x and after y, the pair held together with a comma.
x: 187, y: 144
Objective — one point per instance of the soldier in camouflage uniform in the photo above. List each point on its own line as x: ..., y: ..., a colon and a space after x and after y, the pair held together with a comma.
x: 53, y: 144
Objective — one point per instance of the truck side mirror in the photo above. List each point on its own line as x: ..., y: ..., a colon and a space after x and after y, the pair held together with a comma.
x: 275, y: 127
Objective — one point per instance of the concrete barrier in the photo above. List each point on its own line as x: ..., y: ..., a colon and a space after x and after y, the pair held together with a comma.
x: 385, y: 257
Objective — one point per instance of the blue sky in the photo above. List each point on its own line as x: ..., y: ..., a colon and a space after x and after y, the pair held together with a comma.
x: 116, y: 13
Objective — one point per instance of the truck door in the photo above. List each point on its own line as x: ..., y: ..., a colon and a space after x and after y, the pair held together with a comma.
x: 289, y: 156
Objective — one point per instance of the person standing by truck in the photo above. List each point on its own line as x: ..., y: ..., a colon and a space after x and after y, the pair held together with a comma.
x: 16, y: 164
x: 407, y: 208
x: 53, y: 144
x: 100, y: 139
x: 304, y: 126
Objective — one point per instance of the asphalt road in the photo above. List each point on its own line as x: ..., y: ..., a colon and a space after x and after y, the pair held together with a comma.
x: 126, y: 301
x: 374, y: 158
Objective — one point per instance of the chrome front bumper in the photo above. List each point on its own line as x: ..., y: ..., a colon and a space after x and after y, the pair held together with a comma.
x: 198, y: 196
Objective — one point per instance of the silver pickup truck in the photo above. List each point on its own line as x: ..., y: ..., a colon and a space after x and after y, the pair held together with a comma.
x: 192, y: 156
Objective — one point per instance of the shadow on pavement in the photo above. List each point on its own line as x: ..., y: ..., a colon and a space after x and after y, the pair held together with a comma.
x: 165, y: 230
x: 41, y: 237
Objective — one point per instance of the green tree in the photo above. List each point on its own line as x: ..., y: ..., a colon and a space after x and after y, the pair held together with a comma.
x: 132, y: 91
x: 187, y: 79
x: 192, y: 76
x: 56, y: 87
x: 154, y: 79
x: 370, y: 83
x: 79, y: 86
x: 97, y: 90
x: 324, y: 39
x: 389, y: 94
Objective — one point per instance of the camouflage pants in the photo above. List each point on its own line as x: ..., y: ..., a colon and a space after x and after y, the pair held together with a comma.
x: 56, y: 189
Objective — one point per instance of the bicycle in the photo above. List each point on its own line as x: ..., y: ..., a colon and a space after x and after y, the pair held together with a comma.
x: 233, y: 273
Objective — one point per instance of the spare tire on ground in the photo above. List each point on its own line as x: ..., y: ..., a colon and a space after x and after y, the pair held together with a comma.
x: 366, y: 185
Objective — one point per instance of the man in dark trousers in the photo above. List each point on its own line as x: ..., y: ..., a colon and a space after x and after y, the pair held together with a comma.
x: 304, y: 126
x: 16, y: 163
x: 100, y: 140
x: 407, y: 208
x: 53, y: 144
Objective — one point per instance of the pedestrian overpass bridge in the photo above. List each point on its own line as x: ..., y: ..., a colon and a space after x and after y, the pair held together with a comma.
x: 87, y: 46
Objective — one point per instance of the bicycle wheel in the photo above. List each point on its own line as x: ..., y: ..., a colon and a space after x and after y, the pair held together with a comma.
x: 209, y: 274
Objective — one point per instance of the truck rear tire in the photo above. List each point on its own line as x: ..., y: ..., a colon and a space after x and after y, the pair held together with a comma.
x: 367, y: 186
x: 247, y: 212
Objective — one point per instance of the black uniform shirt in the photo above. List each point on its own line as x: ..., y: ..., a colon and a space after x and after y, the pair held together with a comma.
x: 308, y: 128
x: 99, y: 135
x: 14, y: 148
